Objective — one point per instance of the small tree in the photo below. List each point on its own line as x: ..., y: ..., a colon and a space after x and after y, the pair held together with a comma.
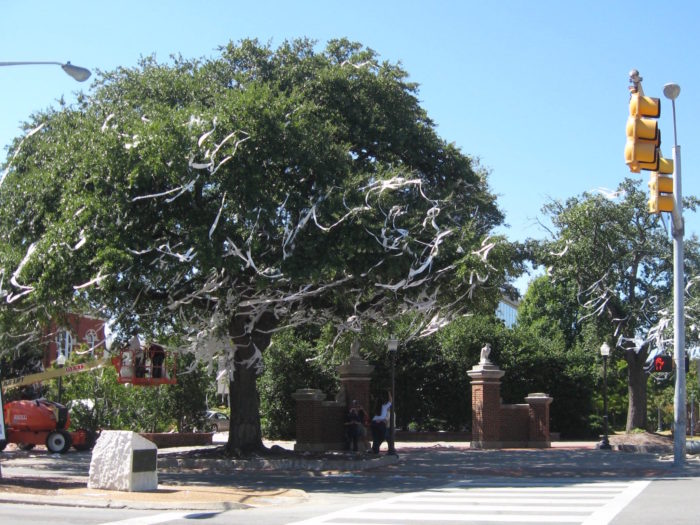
x: 98, y: 401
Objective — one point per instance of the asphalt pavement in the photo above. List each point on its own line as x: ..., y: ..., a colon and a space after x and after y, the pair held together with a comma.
x: 198, y: 483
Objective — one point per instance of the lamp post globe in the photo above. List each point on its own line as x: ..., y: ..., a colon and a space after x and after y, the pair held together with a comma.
x: 671, y: 91
x: 76, y: 72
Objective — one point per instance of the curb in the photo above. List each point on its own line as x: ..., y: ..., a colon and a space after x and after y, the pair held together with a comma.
x: 229, y: 465
x: 167, y: 497
x: 58, y: 501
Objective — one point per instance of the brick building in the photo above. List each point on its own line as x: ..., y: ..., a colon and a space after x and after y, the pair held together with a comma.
x: 71, y: 332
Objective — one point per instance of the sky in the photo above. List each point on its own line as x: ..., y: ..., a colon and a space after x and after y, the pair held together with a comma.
x: 537, y: 90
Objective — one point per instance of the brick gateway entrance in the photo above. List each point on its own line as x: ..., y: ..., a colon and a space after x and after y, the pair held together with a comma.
x: 494, y: 425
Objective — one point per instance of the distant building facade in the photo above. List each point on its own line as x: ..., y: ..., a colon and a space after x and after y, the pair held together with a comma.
x: 507, y: 311
x: 72, y: 331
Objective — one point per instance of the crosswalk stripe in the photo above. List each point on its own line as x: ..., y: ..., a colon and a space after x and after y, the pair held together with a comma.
x: 495, y: 508
x: 464, y: 518
x: 520, y: 499
x: 152, y: 519
x: 468, y: 501
x: 610, y: 511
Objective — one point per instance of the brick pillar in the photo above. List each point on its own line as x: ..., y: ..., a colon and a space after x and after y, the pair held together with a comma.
x: 539, y: 420
x: 355, y: 376
x: 309, y: 418
x: 486, y: 405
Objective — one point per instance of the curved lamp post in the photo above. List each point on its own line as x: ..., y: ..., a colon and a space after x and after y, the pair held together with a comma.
x: 78, y: 73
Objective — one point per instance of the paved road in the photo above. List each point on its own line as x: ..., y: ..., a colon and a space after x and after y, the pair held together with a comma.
x: 431, y: 484
x: 485, y: 501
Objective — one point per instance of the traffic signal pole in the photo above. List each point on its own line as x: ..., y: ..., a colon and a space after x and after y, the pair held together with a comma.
x: 642, y: 152
x: 679, y: 412
x: 671, y: 91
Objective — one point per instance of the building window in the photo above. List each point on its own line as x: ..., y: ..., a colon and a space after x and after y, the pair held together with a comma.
x: 91, y: 340
x: 507, y: 311
x: 64, y: 343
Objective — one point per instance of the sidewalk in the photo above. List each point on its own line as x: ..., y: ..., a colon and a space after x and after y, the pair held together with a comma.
x: 165, y: 498
x: 52, y: 479
x: 41, y: 478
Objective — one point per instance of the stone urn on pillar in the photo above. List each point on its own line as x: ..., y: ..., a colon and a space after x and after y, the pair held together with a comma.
x: 486, y: 402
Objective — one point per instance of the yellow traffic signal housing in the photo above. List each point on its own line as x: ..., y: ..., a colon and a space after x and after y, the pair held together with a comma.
x: 644, y: 106
x: 643, y: 136
x: 660, y: 165
x: 661, y: 193
x: 664, y: 166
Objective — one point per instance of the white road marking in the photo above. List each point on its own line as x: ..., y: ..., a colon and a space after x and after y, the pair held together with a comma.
x: 153, y: 519
x: 595, y: 503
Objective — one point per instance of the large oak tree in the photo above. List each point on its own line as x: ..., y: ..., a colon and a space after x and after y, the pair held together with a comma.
x: 221, y: 200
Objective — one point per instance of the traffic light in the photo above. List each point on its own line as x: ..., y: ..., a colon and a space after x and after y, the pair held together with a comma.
x: 643, y: 136
x: 661, y: 363
x: 661, y: 193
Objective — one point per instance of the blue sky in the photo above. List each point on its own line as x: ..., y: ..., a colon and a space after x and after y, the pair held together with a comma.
x: 538, y: 90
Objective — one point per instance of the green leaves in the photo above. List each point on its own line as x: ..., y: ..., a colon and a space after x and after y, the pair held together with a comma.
x: 618, y: 259
x: 291, y: 184
x: 616, y: 253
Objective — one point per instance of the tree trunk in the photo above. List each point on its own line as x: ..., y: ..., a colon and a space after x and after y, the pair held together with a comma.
x: 637, y: 390
x: 244, y: 434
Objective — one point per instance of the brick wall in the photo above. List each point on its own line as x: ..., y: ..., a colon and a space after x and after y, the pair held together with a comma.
x: 331, y: 427
x: 495, y: 425
x: 358, y: 389
x: 319, y: 422
x: 477, y: 412
x: 515, y: 425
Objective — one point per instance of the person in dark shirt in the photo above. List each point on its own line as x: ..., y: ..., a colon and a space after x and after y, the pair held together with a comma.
x: 355, y: 421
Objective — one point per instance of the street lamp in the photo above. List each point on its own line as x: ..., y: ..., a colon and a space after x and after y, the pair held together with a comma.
x: 60, y: 363
x: 605, y: 352
x: 392, y: 346
x: 671, y: 92
x: 78, y: 73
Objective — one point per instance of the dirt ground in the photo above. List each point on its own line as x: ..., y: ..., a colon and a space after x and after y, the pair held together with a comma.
x: 640, y: 439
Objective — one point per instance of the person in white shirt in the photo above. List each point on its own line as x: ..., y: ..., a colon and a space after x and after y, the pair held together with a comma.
x: 380, y: 423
